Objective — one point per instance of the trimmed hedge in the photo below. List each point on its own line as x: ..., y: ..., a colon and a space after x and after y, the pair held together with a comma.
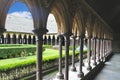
x: 11, y: 45
x: 48, y: 55
x: 17, y: 50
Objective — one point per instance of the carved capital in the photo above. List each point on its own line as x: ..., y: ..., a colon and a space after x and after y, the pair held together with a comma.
x: 67, y: 34
x: 40, y: 31
x: 2, y: 30
x: 82, y: 36
x: 73, y: 36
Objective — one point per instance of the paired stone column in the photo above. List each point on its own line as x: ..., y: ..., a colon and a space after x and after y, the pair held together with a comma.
x: 94, y: 51
x: 73, y: 68
x: 67, y: 43
x: 101, y: 48
x: 60, y: 74
x: 92, y: 47
x: 39, y: 34
x: 104, y: 49
x: 89, y: 53
x: 2, y: 30
x: 81, y: 74
x: 98, y: 49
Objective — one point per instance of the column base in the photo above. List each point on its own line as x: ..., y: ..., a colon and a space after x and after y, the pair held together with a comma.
x: 94, y: 63
x: 83, y: 64
x: 98, y: 60
x: 73, y: 69
x: 89, y: 68
x: 60, y: 76
x: 101, y: 59
x: 81, y: 75
x: 92, y: 58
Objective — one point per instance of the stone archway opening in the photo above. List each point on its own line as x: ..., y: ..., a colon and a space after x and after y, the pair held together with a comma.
x: 52, y: 28
x: 19, y: 19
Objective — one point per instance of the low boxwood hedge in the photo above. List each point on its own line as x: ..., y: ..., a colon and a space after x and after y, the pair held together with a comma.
x: 17, y: 50
x: 48, y: 55
x: 11, y: 45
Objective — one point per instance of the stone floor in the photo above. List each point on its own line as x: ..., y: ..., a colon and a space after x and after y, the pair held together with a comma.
x: 111, y: 71
x: 72, y: 75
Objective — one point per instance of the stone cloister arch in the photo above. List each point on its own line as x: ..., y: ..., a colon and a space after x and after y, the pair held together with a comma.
x: 5, y: 8
x: 79, y: 21
x: 59, y: 10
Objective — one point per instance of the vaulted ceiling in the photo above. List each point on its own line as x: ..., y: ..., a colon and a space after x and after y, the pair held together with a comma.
x: 109, y: 10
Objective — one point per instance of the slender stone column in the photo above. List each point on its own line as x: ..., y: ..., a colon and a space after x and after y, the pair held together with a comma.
x: 104, y: 52
x: 101, y: 49
x: 2, y: 30
x: 88, y: 54
x: 81, y: 74
x: 39, y: 33
x: 60, y: 74
x: 92, y: 47
x: 103, y: 42
x: 94, y: 41
x: 67, y: 43
x: 73, y: 68
x: 98, y: 48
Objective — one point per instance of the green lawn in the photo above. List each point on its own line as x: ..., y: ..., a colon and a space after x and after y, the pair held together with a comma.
x: 48, y: 54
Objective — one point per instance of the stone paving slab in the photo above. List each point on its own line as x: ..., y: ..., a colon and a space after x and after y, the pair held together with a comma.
x: 72, y: 75
x: 111, y: 71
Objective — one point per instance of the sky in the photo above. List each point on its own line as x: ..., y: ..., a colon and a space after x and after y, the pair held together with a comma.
x: 19, y: 17
x: 18, y: 7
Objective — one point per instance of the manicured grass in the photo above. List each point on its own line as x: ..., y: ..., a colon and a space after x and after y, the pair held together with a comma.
x: 48, y: 55
x: 6, y: 64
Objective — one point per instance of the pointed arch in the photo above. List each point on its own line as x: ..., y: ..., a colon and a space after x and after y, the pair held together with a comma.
x: 59, y: 11
x: 8, y: 4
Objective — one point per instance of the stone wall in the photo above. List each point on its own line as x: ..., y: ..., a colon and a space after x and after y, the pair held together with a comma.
x: 116, y: 42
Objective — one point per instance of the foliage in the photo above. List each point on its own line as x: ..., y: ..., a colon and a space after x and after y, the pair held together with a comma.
x: 16, y: 50
x: 48, y: 55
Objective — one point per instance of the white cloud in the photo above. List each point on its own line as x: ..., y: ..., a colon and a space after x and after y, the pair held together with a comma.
x: 22, y: 22
x: 23, y: 14
x: 19, y: 21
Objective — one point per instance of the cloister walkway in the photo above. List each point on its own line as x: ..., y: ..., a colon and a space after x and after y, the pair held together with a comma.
x: 72, y: 75
x: 111, y: 71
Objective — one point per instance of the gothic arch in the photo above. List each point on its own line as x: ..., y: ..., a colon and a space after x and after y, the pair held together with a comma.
x: 90, y: 25
x: 5, y: 5
x: 79, y: 22
x: 60, y: 14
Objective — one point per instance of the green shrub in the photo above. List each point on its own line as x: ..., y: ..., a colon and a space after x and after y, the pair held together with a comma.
x: 12, y: 52
x: 48, y: 55
x: 10, y: 45
x: 16, y: 50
